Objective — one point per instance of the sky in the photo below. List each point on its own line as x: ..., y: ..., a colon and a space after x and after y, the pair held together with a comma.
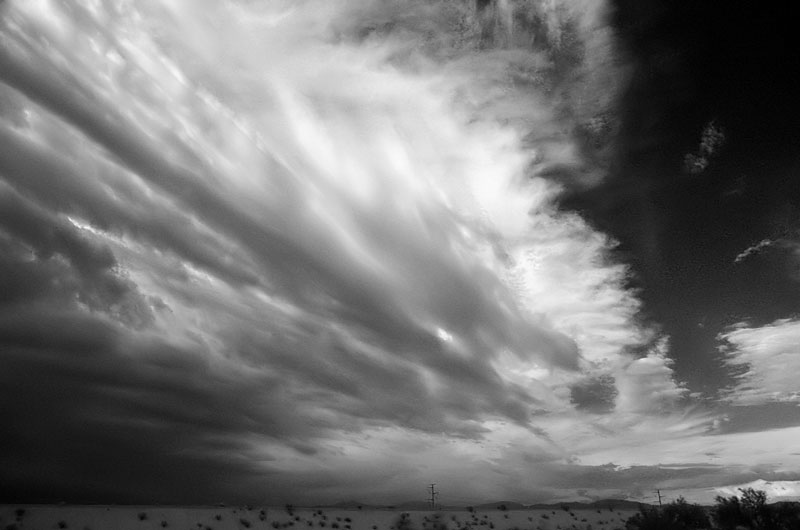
x: 268, y: 251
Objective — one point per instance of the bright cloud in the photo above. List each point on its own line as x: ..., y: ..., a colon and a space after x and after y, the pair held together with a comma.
x: 763, y: 361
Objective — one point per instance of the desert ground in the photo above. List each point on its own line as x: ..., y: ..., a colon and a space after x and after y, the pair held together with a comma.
x: 49, y: 517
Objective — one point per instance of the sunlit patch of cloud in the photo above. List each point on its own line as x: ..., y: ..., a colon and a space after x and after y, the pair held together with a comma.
x: 762, y: 361
x: 711, y: 141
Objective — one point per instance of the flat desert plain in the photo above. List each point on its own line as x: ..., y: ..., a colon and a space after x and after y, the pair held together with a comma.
x: 98, y: 517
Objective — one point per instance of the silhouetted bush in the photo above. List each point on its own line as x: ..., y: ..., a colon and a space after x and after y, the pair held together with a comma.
x: 787, y: 515
x: 750, y: 511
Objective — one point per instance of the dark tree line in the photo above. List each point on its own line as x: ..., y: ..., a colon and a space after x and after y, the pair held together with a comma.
x: 749, y: 511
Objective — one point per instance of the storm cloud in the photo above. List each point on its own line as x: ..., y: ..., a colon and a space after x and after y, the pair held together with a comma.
x: 312, y: 250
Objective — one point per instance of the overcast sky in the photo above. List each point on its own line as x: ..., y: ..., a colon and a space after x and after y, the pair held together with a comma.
x: 308, y: 251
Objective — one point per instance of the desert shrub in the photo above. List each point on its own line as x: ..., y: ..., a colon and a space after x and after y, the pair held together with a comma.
x: 404, y: 522
x: 142, y: 516
x: 245, y: 523
x: 62, y: 524
x: 686, y: 514
x: 164, y: 524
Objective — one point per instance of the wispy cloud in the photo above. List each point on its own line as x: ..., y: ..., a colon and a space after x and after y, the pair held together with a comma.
x: 754, y: 249
x: 711, y: 141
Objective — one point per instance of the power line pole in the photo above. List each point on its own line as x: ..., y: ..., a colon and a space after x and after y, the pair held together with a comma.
x: 434, y: 493
x: 659, y: 497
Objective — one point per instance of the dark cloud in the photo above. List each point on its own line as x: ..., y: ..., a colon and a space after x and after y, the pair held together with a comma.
x: 596, y: 395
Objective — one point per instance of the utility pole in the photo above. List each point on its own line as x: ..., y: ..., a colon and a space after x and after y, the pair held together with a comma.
x: 434, y: 493
x: 659, y: 497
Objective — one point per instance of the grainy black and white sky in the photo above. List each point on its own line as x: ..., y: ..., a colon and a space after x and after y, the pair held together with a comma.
x: 311, y: 250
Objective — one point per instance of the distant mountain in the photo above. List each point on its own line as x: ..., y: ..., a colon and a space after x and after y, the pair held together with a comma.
x: 617, y: 504
x: 415, y: 505
x: 346, y: 505
x: 499, y: 505
x: 604, y: 504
